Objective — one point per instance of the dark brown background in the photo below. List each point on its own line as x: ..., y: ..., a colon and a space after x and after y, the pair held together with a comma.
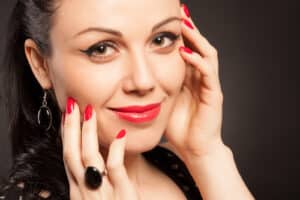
x: 258, y: 79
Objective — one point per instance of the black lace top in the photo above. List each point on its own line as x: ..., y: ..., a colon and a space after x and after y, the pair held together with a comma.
x: 172, y: 166
x: 162, y: 158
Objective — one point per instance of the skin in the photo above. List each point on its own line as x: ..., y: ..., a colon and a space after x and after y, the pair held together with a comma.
x: 137, y: 71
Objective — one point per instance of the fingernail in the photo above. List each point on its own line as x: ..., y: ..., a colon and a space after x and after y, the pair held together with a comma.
x: 187, y: 23
x: 186, y: 10
x: 63, y: 117
x: 121, y: 134
x: 70, y: 105
x: 88, y: 112
x: 186, y: 49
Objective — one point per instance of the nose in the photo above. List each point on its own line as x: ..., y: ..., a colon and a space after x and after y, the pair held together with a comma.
x: 140, y: 79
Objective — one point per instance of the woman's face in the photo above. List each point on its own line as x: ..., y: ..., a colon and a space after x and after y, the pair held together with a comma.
x: 117, y: 53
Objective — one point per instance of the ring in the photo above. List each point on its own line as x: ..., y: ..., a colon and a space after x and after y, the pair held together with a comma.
x: 93, y: 178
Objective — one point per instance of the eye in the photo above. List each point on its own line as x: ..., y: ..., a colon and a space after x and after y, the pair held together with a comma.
x: 101, y: 50
x: 165, y: 39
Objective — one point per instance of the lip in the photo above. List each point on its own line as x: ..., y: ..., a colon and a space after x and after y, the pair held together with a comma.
x: 138, y: 114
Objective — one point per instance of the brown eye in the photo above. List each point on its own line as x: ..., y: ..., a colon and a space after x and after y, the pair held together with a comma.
x: 159, y: 40
x: 103, y: 49
x: 165, y: 39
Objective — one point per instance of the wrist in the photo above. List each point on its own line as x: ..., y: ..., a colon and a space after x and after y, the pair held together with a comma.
x: 214, y: 149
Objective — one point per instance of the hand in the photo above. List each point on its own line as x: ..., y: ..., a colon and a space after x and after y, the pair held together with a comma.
x: 195, y: 124
x: 81, y: 149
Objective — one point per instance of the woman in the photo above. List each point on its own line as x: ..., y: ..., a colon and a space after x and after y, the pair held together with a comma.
x: 94, y: 86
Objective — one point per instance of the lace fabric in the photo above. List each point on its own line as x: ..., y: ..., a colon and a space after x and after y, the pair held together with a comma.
x: 162, y: 158
x: 174, y: 167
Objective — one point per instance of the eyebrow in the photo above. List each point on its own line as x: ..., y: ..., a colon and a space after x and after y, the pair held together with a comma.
x: 119, y: 34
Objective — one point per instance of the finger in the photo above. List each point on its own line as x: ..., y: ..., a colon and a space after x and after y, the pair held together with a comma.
x: 90, y: 147
x: 74, y: 191
x: 116, y: 169
x: 192, y: 80
x: 91, y: 155
x: 197, y: 41
x: 188, y: 76
x: 62, y: 122
x: 192, y: 33
x: 70, y: 176
x: 209, y: 78
x: 71, y: 140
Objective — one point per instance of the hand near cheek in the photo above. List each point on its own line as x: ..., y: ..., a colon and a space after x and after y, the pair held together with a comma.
x: 81, y: 152
x: 195, y: 124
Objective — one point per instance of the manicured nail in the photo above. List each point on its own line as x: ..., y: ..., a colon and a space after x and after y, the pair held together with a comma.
x: 70, y: 105
x: 121, y: 134
x: 186, y: 10
x: 88, y: 112
x: 187, y: 23
x: 186, y: 49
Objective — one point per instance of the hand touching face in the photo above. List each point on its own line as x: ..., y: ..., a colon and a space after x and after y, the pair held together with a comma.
x: 81, y: 151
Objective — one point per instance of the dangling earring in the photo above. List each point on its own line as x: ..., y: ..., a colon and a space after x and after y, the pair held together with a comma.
x: 44, y: 116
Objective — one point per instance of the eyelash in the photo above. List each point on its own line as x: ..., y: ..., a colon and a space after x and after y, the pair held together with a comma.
x: 173, y: 37
x: 91, y: 50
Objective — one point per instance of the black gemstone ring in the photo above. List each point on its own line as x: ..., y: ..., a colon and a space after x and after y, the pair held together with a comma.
x: 93, y: 178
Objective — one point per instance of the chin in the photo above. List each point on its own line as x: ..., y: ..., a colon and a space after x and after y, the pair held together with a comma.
x: 141, y: 137
x: 140, y: 147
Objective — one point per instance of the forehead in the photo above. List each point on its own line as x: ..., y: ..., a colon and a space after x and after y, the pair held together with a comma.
x: 74, y: 15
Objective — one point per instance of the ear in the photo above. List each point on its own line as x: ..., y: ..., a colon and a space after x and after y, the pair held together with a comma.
x: 38, y: 64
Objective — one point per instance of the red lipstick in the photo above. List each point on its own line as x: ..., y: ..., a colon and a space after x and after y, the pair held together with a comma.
x: 138, y: 114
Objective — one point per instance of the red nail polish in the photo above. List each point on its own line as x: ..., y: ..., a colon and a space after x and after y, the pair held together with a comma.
x: 186, y: 49
x: 187, y: 23
x: 70, y: 105
x: 121, y: 134
x: 186, y: 10
x: 88, y: 112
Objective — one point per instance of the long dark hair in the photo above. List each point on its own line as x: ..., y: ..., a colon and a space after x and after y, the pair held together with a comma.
x: 37, y: 154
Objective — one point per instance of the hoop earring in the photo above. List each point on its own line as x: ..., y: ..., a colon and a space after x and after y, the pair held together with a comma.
x: 44, y: 116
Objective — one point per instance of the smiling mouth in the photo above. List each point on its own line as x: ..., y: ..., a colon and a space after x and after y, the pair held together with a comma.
x: 138, y: 114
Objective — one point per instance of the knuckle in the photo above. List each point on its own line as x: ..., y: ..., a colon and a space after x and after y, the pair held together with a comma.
x: 221, y: 97
x: 71, y: 190
x: 67, y: 155
x: 198, y: 59
x: 73, y: 193
x: 214, y: 52
x: 113, y: 166
x: 67, y: 124
x: 87, y: 159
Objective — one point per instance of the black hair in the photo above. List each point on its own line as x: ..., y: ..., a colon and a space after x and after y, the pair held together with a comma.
x: 37, y: 153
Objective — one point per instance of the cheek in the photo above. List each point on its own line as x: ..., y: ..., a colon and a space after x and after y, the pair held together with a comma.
x: 88, y: 84
x: 171, y: 72
x: 95, y: 84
